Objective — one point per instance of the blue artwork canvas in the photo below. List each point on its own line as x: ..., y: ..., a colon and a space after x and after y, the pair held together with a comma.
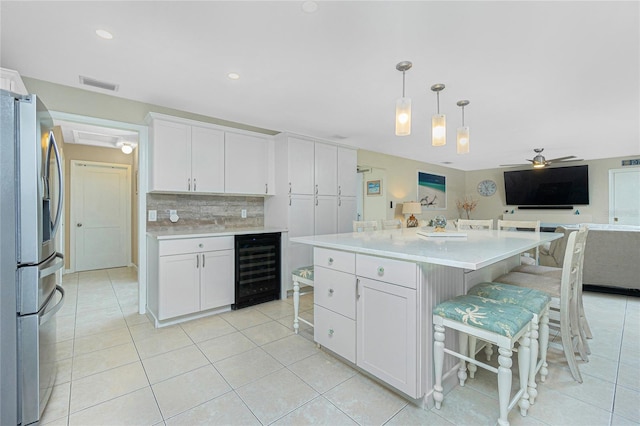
x: 432, y: 191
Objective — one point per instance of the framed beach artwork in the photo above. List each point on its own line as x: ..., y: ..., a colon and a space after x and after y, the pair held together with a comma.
x: 373, y: 187
x: 432, y: 191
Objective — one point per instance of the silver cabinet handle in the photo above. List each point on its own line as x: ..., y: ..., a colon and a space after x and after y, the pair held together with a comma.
x: 380, y: 271
x: 201, y: 245
x: 289, y: 199
x: 194, y: 184
x: 357, y: 288
x: 339, y: 202
x: 330, y: 292
x: 331, y: 332
x: 266, y: 188
x: 189, y: 184
x: 197, y: 260
x: 289, y: 187
x: 316, y: 189
x: 331, y: 261
x: 339, y: 190
x: 316, y: 201
x: 79, y: 225
x: 203, y: 257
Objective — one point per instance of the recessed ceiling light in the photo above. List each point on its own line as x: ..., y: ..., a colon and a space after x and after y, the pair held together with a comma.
x: 233, y: 76
x: 104, y: 34
x: 309, y: 6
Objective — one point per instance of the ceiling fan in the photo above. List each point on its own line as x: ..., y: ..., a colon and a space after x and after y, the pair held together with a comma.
x: 539, y: 161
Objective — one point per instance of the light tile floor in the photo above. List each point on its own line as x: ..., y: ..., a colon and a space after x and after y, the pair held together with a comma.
x: 247, y: 367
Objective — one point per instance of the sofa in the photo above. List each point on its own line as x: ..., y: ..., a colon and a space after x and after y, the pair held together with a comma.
x: 611, y: 256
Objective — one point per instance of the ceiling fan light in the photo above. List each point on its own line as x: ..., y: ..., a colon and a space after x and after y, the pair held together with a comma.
x: 462, y: 140
x: 538, y: 165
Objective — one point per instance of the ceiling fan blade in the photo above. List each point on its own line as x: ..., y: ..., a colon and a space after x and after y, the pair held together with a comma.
x: 554, y: 160
x: 512, y: 165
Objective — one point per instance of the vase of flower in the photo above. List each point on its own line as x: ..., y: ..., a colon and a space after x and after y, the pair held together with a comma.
x: 467, y: 204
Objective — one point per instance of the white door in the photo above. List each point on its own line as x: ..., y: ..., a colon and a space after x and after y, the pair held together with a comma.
x: 245, y: 166
x: 326, y: 215
x: 624, y: 203
x: 217, y: 287
x: 301, y: 166
x: 326, y: 169
x: 347, y: 213
x: 347, y: 171
x: 100, y: 215
x: 170, y: 161
x: 207, y: 160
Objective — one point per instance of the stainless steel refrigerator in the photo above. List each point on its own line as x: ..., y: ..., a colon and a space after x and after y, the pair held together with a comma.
x: 31, y: 182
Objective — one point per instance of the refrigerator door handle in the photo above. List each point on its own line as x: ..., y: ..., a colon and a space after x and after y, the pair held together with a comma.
x: 53, y: 268
x: 47, y: 316
x: 52, y: 143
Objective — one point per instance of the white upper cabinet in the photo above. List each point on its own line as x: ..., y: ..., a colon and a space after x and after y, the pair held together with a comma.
x: 347, y: 171
x: 207, y: 160
x: 246, y: 169
x: 170, y: 152
x: 192, y: 156
x: 326, y: 169
x: 301, y: 168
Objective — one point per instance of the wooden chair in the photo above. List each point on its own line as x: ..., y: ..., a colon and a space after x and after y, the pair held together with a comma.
x: 517, y: 225
x: 564, y: 310
x: 365, y: 225
x: 556, y: 273
x: 302, y: 275
x: 474, y: 224
x: 391, y: 224
x: 495, y: 322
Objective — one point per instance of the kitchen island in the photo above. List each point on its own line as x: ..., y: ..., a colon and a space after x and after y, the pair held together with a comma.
x: 375, y: 291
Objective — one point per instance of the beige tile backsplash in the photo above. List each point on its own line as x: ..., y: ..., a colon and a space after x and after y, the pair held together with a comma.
x: 206, y: 210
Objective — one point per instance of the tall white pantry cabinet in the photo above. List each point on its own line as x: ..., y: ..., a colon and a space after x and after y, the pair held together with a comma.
x: 316, y: 193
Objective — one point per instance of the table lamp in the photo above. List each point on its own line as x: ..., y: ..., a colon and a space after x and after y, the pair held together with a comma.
x: 411, y: 208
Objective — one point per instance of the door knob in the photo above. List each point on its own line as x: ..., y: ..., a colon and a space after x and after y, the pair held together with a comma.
x: 79, y: 225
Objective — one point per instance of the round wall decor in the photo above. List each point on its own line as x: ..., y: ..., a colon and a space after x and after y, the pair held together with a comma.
x: 487, y: 187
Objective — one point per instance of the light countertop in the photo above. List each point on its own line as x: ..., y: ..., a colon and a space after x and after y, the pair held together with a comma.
x: 478, y: 249
x: 172, y: 233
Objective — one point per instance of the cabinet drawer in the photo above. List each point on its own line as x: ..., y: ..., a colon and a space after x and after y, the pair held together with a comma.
x: 335, y: 291
x: 388, y: 270
x: 334, y: 259
x: 335, y: 332
x: 193, y: 245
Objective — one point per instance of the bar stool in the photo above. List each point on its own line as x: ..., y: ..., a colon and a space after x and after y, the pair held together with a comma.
x: 499, y: 323
x: 304, y: 276
x: 534, y: 301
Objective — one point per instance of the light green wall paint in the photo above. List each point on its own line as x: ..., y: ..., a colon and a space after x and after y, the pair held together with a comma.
x: 84, y: 102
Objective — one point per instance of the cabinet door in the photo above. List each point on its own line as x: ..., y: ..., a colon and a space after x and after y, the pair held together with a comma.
x: 216, y: 279
x: 387, y: 334
x: 207, y: 160
x: 326, y: 169
x: 301, y: 210
x: 326, y: 215
x: 347, y: 172
x: 170, y: 165
x: 301, y: 166
x: 347, y: 211
x: 179, y: 285
x: 245, y: 166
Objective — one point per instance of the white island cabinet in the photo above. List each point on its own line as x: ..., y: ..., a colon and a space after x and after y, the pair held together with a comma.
x: 375, y: 292
x: 189, y: 275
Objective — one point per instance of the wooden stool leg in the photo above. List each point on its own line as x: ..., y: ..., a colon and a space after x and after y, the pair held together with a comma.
x: 533, y: 365
x: 472, y: 354
x: 504, y: 383
x: 296, y: 305
x: 462, y: 369
x: 524, y: 367
x: 438, y: 362
x: 544, y: 344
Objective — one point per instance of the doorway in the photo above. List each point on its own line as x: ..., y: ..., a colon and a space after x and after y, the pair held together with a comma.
x: 100, y: 215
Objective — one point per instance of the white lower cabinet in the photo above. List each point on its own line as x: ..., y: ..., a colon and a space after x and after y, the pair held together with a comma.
x: 366, y: 310
x: 190, y: 275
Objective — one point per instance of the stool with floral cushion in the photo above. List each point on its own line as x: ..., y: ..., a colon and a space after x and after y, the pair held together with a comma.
x: 499, y: 323
x: 534, y: 301
x: 303, y: 276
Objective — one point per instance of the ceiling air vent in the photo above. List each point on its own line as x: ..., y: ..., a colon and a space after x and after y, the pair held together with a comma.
x: 99, y: 84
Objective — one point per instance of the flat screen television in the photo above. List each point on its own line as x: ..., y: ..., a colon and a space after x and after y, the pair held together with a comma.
x: 555, y: 186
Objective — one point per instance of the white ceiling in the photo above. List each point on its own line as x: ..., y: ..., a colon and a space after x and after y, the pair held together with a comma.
x: 553, y: 74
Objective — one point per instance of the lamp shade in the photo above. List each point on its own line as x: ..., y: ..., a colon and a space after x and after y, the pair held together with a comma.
x: 438, y: 130
x: 411, y: 208
x: 403, y: 117
x: 463, y: 140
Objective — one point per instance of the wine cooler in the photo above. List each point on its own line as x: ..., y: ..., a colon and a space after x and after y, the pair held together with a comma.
x: 257, y: 273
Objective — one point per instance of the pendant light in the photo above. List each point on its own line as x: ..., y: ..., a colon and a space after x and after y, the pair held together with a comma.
x: 403, y: 105
x: 438, y: 121
x: 462, y: 139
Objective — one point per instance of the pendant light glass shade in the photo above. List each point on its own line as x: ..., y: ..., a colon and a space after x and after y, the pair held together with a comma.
x: 438, y: 121
x: 462, y: 139
x: 403, y: 105
x: 403, y: 117
x: 438, y: 130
